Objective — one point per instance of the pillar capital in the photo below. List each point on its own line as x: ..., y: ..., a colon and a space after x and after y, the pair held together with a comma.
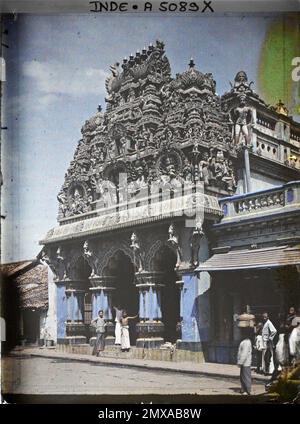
x: 184, y: 271
x: 71, y: 284
x: 149, y: 278
x: 179, y: 283
x: 102, y: 282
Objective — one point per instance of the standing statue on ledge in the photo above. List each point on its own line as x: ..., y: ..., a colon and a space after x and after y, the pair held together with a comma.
x: 196, y: 236
x: 173, y: 240
x: 91, y: 258
x: 243, y: 119
x: 135, y: 245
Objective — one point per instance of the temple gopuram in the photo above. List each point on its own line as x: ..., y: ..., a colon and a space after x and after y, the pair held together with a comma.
x: 179, y: 205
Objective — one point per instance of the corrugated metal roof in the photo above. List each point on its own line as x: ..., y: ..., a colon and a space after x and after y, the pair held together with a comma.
x: 272, y: 257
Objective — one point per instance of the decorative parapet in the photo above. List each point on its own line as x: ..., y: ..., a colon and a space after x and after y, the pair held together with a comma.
x: 132, y: 213
x: 267, y: 201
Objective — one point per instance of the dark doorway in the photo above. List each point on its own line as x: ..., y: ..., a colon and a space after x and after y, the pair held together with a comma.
x: 31, y: 326
x: 165, y: 261
x: 125, y: 294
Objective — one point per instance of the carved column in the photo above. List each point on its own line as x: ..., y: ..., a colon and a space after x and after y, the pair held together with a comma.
x: 195, y: 297
x: 75, y: 327
x: 247, y: 172
x: 180, y: 287
x: 61, y: 310
x: 102, y: 288
x: 150, y: 329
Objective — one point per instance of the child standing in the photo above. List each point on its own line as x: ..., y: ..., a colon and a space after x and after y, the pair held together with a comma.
x: 258, y: 347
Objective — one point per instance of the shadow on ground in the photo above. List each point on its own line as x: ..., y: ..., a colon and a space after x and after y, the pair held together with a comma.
x: 135, y: 399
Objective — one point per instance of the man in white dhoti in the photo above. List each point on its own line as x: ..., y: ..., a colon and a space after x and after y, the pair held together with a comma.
x: 125, y: 338
x: 118, y: 319
x: 268, y: 334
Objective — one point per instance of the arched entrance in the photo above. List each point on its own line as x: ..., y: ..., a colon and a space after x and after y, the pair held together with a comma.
x: 164, y: 261
x: 125, y: 294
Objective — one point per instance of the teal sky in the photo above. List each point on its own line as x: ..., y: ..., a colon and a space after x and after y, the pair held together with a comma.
x: 56, y: 68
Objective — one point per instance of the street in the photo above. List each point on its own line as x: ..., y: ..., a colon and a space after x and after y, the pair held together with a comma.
x: 40, y: 376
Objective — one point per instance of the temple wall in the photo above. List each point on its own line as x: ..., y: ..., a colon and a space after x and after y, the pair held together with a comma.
x: 51, y: 317
x: 261, y: 182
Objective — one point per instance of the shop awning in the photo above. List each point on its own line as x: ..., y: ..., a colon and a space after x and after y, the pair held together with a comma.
x: 272, y: 257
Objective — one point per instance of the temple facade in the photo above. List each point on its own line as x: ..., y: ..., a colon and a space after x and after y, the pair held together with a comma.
x: 179, y: 205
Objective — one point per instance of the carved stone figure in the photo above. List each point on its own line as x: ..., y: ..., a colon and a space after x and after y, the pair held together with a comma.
x: 138, y: 256
x: 173, y: 240
x: 243, y: 120
x: 139, y: 184
x: 91, y: 258
x: 106, y: 191
x: 241, y: 84
x: 187, y: 171
x: 197, y: 234
x: 170, y: 180
x: 62, y: 265
x: 204, y: 169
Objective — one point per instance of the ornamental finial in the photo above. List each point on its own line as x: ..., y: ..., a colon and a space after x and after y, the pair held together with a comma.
x: 191, y: 63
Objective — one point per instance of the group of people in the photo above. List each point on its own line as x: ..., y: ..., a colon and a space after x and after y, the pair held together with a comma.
x: 274, y: 349
x: 122, y: 337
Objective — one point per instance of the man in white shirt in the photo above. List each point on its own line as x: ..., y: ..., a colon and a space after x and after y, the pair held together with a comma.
x: 244, y: 360
x: 268, y: 334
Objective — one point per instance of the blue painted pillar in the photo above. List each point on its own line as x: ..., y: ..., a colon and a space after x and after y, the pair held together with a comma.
x: 154, y: 301
x: 179, y: 286
x: 142, y: 304
x: 147, y: 303
x: 70, y: 305
x: 75, y: 328
x: 195, y: 310
x: 61, y: 310
x: 102, y: 288
x: 150, y: 328
x: 101, y: 300
x: 150, y: 303
x: 75, y: 305
x: 78, y: 302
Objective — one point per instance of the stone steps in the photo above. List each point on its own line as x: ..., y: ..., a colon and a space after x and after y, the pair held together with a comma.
x: 178, y: 355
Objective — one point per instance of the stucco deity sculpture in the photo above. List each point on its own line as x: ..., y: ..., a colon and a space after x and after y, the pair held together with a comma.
x: 62, y: 199
x: 138, y: 257
x: 106, y: 191
x: 173, y: 240
x: 204, y: 169
x: 187, y: 171
x: 243, y: 121
x: 90, y: 257
x: 197, y: 234
x: 78, y: 204
x: 170, y: 180
x: 61, y: 264
x: 139, y: 184
x: 241, y: 84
